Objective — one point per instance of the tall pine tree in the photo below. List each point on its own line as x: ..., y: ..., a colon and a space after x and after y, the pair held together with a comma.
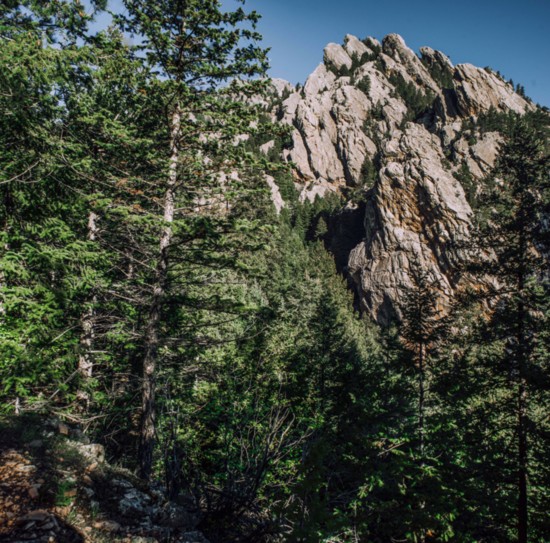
x: 194, y: 48
x: 513, y: 237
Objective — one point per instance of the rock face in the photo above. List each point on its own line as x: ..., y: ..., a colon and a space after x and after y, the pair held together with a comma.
x: 478, y: 90
x: 379, y: 107
x: 414, y: 212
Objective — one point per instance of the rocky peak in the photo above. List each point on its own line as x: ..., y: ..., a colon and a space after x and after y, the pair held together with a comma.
x: 337, y: 56
x: 355, y: 47
x: 436, y: 59
x: 319, y: 81
x: 281, y: 87
x: 377, y: 117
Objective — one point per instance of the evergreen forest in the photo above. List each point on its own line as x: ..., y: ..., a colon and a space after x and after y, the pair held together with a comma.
x: 151, y: 294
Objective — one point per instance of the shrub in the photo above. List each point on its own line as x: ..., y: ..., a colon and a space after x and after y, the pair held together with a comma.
x: 417, y: 102
x: 364, y: 84
x: 442, y: 75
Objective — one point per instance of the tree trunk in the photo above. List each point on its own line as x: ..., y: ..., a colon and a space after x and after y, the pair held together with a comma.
x: 521, y: 360
x: 522, y: 463
x: 148, y: 423
x: 421, y: 402
x: 8, y: 210
x: 85, y: 359
x: 421, y: 396
x: 522, y: 421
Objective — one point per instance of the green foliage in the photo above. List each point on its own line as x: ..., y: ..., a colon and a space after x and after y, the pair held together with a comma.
x: 508, y: 239
x: 46, y: 266
x: 375, y: 48
x: 367, y: 179
x: 468, y: 183
x: 343, y: 71
x: 63, y: 21
x: 364, y: 84
x: 282, y: 412
x: 356, y: 62
x: 418, y: 103
x: 494, y: 121
x: 369, y: 172
x: 441, y: 74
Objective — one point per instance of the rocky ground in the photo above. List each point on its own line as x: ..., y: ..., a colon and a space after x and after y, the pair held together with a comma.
x: 56, y: 488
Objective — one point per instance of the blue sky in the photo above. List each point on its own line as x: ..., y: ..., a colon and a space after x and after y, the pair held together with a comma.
x: 511, y: 36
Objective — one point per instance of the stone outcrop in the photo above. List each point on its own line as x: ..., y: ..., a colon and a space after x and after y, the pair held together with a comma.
x: 379, y: 103
x: 435, y: 59
x: 414, y: 213
x: 337, y: 56
x: 479, y: 90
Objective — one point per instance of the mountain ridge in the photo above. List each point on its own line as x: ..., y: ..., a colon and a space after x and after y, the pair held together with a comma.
x: 403, y: 130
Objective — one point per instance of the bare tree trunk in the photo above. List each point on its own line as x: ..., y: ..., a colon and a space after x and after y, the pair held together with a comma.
x: 85, y: 358
x: 523, y: 514
x: 2, y: 308
x: 8, y: 208
x: 148, y: 422
x: 522, y: 463
x: 421, y: 397
x: 421, y: 438
x: 521, y: 360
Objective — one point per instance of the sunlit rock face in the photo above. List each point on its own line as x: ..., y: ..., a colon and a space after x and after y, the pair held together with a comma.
x: 416, y: 210
x: 379, y: 107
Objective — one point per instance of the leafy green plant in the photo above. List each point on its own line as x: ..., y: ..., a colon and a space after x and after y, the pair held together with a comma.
x: 441, y: 74
x: 65, y: 493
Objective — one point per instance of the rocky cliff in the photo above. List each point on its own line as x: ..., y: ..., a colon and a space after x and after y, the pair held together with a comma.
x: 404, y: 131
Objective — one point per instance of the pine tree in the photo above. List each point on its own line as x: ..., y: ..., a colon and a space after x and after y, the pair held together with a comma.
x: 193, y: 47
x: 514, y: 239
x: 421, y: 329
x: 42, y: 247
x: 107, y: 148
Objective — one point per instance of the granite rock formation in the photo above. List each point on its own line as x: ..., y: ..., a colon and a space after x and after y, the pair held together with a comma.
x: 370, y: 103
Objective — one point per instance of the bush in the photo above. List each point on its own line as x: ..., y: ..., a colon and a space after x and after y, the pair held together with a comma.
x: 465, y: 178
x: 417, y: 102
x: 442, y: 75
x: 376, y: 49
x: 369, y: 173
x: 364, y: 85
x: 343, y: 71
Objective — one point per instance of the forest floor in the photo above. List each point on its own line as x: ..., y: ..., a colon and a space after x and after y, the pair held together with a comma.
x: 56, y: 488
